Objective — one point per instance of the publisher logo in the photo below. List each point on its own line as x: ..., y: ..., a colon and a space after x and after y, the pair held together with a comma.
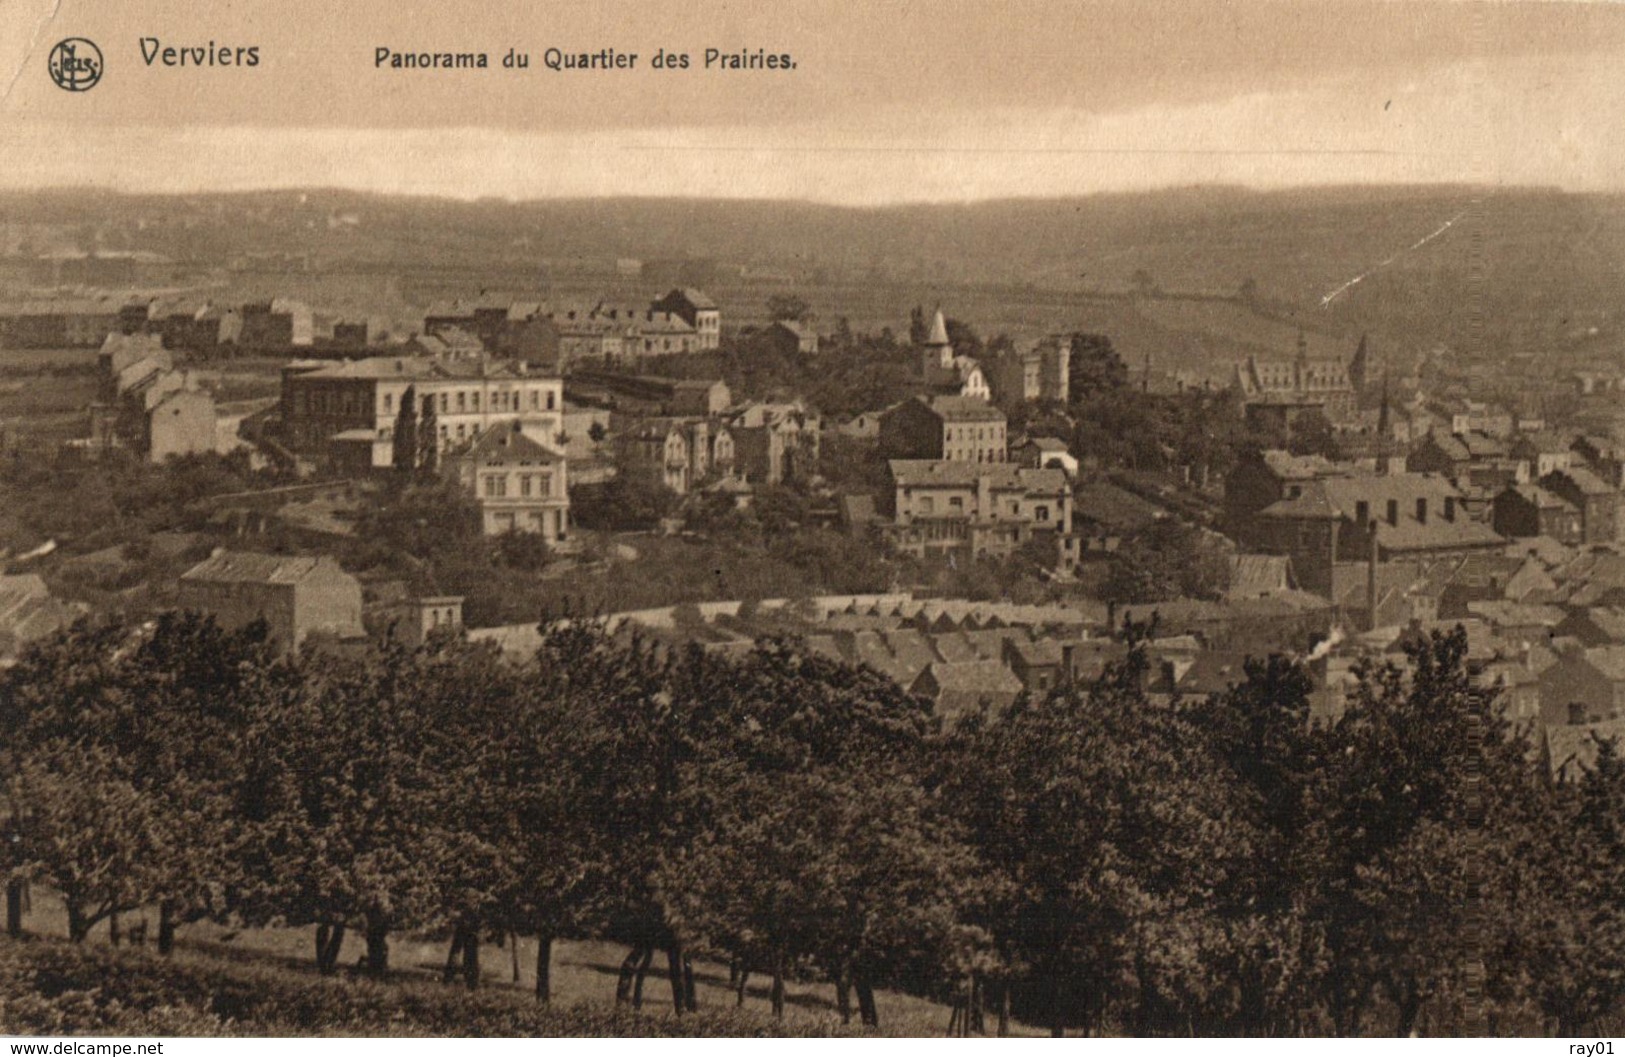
x: 75, y: 65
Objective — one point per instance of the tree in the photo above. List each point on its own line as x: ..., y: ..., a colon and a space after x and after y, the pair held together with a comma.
x: 1167, y: 560
x: 1311, y: 434
x: 919, y: 327
x: 404, y: 442
x: 1104, y: 826
x: 428, y: 439
x: 788, y: 308
x: 1095, y: 367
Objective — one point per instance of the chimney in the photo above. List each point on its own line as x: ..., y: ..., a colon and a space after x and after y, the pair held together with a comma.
x: 1393, y: 513
x: 1422, y: 509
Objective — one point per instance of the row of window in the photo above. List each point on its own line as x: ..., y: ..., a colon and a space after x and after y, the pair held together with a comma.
x: 926, y: 504
x: 538, y: 484
x: 465, y: 401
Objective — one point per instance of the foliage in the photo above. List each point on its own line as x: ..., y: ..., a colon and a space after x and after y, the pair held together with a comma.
x: 1091, y: 857
x: 1167, y: 560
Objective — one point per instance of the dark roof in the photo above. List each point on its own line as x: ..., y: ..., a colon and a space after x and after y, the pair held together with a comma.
x: 965, y: 409
x: 509, y: 445
x: 249, y: 567
x: 1004, y: 476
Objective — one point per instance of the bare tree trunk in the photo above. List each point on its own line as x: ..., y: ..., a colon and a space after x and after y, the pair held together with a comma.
x: 1004, y: 1010
x: 777, y: 992
x: 688, y: 984
x: 646, y: 957
x: 166, y: 927
x: 459, y: 936
x: 977, y: 997
x: 843, y: 995
x: 377, y: 949
x: 471, y: 958
x: 544, y: 968
x: 868, y: 1015
x: 329, y: 944
x: 78, y: 927
x: 629, y: 968
x: 740, y: 984
x: 513, y: 954
x: 14, y: 909
x: 674, y: 964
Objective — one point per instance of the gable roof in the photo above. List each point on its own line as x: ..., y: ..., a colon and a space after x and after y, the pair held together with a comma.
x: 509, y: 445
x: 1571, y: 750
x: 251, y: 567
x: 1003, y: 476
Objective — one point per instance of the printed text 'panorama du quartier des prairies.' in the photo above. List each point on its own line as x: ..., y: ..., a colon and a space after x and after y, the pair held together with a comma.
x: 158, y: 52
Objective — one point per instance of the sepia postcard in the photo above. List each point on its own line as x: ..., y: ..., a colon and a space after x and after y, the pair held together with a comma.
x: 833, y: 518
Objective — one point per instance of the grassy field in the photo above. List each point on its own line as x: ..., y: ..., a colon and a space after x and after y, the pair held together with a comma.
x: 584, y: 973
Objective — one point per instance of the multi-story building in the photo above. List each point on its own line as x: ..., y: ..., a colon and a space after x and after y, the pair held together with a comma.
x: 276, y: 324
x: 518, y: 484
x: 295, y: 596
x: 956, y: 428
x: 696, y: 309
x: 1386, y: 517
x: 58, y: 324
x: 946, y: 373
x: 358, y: 402
x: 1596, y: 499
x: 1522, y: 511
x: 774, y: 442
x: 938, y: 508
x: 1324, y: 383
x: 681, y: 452
x: 1041, y: 371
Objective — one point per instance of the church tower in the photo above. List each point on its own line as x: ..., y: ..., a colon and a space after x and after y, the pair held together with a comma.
x: 937, y: 356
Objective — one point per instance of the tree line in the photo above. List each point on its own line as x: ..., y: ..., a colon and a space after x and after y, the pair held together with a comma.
x: 1086, y: 859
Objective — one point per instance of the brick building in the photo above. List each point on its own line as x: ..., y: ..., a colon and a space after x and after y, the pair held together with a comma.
x: 296, y: 596
x: 959, y: 429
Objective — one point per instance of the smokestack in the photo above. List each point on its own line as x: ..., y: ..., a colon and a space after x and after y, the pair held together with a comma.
x: 1371, y: 579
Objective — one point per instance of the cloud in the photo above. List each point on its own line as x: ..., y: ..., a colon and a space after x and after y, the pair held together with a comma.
x: 1537, y: 120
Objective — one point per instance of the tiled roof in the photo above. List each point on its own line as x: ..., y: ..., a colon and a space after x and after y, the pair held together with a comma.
x: 916, y: 473
x: 1572, y: 749
x: 248, y: 567
x: 509, y: 445
x: 965, y: 409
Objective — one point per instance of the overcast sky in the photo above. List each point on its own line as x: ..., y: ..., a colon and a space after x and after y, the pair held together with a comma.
x: 890, y: 101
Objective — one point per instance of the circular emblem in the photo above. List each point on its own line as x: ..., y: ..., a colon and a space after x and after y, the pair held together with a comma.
x: 75, y: 64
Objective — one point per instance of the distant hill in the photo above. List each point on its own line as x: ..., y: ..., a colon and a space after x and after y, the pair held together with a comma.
x: 1547, y: 269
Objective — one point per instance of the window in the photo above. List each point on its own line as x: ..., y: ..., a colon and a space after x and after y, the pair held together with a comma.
x: 550, y: 401
x: 445, y: 403
x: 389, y: 402
x: 927, y: 506
x: 534, y: 395
x: 1042, y: 513
x: 524, y: 484
x: 462, y: 401
x: 496, y: 485
x: 474, y: 401
x: 956, y: 503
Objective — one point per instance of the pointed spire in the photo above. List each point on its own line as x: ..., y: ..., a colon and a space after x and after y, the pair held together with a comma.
x: 939, y: 330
